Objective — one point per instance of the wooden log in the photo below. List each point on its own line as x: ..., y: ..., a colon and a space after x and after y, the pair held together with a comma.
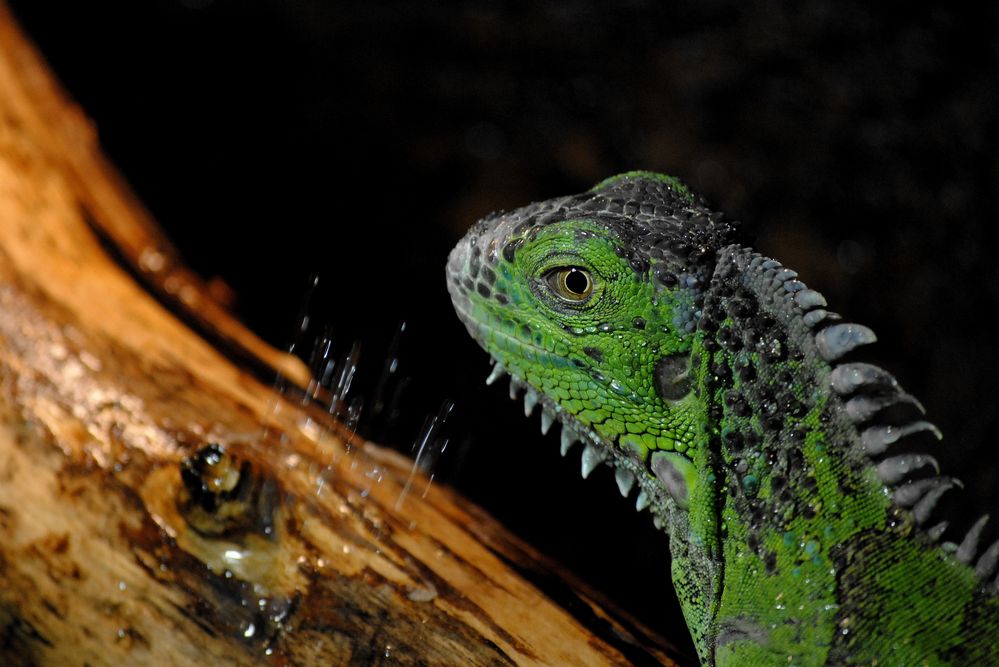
x: 160, y: 505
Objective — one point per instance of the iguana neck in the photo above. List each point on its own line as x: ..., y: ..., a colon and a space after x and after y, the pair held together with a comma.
x: 801, y: 510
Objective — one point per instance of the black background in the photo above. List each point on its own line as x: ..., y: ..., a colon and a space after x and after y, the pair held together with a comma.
x: 360, y: 139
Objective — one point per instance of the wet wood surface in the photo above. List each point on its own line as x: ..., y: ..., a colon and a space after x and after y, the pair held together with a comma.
x: 161, y: 505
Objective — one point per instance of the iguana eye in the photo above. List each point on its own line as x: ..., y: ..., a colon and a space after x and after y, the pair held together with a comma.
x: 570, y: 283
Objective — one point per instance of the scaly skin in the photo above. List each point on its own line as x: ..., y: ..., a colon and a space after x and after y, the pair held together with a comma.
x: 799, y: 522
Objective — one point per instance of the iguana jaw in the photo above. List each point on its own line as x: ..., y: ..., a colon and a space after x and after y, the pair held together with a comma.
x: 506, y: 350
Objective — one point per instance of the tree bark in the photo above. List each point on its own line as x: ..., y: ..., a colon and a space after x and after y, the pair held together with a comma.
x: 160, y: 505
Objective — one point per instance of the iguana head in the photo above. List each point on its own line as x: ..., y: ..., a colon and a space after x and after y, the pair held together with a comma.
x: 590, y: 302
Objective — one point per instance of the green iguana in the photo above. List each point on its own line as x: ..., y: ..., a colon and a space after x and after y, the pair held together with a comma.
x: 720, y: 387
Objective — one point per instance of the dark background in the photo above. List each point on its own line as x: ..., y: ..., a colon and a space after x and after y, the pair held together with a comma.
x: 359, y: 140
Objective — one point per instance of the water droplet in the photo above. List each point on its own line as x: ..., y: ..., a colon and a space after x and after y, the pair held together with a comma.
x: 152, y: 260
x: 428, y: 447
